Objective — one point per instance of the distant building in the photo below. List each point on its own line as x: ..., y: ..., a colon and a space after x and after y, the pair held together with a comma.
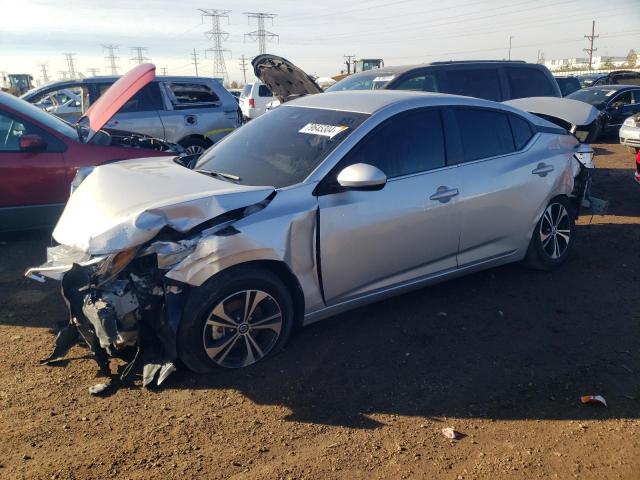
x: 598, y: 63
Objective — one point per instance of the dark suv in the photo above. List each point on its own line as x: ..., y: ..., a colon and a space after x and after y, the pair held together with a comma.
x: 491, y: 80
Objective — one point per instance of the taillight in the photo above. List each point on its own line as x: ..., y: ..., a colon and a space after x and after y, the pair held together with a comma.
x: 252, y: 103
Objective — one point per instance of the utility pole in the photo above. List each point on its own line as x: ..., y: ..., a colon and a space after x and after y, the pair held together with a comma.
x: 139, y: 55
x: 112, y: 58
x: 261, y: 35
x: 164, y: 71
x: 43, y: 70
x: 348, y: 62
x: 217, y: 36
x: 71, y: 64
x: 591, y: 38
x: 510, y: 38
x: 195, y: 60
x: 93, y: 71
x: 243, y: 67
x: 63, y: 74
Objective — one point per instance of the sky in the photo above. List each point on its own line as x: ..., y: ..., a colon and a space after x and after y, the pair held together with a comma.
x: 313, y: 35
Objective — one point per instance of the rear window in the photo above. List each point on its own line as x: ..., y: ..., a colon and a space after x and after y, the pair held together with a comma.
x: 191, y: 95
x: 528, y: 82
x: 479, y: 83
x: 246, y: 90
x: 372, y: 80
x: 264, y: 91
x: 485, y: 133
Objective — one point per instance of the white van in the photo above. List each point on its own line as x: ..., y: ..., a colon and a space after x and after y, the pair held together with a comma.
x: 254, y: 99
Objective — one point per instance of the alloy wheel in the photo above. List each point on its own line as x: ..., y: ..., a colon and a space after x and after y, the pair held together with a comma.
x: 242, y: 328
x: 194, y: 149
x: 555, y: 230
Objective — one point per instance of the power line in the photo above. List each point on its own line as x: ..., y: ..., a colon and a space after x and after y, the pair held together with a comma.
x: 591, y: 38
x: 217, y: 36
x: 71, y: 67
x: 139, y: 55
x: 261, y: 35
x: 243, y: 67
x: 112, y: 58
x: 93, y: 71
x: 195, y: 60
x: 43, y: 70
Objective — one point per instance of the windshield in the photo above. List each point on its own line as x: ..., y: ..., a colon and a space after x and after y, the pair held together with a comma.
x: 30, y: 111
x: 280, y: 148
x: 374, y: 80
x: 594, y: 96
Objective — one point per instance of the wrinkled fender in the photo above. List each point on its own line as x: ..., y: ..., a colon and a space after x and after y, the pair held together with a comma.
x: 284, y: 231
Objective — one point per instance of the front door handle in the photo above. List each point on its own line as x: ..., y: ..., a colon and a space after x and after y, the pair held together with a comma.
x: 444, y: 194
x: 542, y: 169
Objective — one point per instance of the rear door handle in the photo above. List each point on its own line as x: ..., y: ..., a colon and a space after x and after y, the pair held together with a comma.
x: 444, y: 194
x: 542, y: 169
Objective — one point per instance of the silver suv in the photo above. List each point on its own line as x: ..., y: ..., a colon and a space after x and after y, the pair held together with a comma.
x: 195, y: 112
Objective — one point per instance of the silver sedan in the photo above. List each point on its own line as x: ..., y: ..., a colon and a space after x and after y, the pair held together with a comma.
x: 325, y: 204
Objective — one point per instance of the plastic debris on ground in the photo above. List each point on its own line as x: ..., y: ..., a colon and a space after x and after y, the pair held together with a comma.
x: 450, y: 433
x: 593, y: 399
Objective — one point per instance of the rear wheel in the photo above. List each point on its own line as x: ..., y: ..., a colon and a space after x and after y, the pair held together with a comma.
x: 195, y: 146
x: 234, y: 320
x: 554, y: 235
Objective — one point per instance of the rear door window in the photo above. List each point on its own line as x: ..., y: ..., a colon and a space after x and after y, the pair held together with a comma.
x: 147, y: 99
x: 479, y: 83
x: 528, y: 82
x: 484, y: 133
x: 264, y: 91
x: 191, y: 95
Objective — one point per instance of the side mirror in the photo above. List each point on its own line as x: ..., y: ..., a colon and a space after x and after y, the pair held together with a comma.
x: 32, y: 143
x: 362, y: 176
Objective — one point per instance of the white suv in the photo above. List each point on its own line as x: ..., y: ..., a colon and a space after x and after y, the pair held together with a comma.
x: 254, y: 99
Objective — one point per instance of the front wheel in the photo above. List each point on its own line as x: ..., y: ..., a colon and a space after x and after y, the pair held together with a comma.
x: 195, y: 146
x: 234, y: 320
x: 554, y: 235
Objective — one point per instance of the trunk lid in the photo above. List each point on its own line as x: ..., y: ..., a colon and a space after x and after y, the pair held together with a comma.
x: 285, y: 80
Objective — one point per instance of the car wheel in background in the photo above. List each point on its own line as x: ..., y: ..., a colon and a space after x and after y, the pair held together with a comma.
x: 234, y: 320
x: 553, y: 237
x: 195, y: 146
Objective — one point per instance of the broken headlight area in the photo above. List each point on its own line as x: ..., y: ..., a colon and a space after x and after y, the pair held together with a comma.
x: 123, y: 307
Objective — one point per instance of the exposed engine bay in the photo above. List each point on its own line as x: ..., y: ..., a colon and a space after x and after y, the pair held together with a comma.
x: 109, y: 137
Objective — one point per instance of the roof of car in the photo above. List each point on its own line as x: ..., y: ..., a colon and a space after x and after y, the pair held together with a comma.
x: 405, y: 68
x: 615, y: 87
x: 370, y: 101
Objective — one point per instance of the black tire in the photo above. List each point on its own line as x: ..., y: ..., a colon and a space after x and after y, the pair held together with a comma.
x: 542, y: 255
x: 193, y: 331
x: 197, y: 145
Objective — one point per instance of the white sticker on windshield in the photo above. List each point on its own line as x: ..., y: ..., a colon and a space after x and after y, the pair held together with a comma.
x: 323, y: 130
x: 610, y: 92
x: 388, y: 78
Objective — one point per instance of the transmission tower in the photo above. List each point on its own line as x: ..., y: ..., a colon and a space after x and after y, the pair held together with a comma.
x: 71, y: 67
x: 164, y: 71
x: 112, y: 57
x: 591, y: 38
x: 243, y: 67
x: 43, y: 70
x: 139, y: 55
x: 195, y: 60
x: 261, y: 35
x: 348, y: 60
x: 217, y: 36
x: 93, y: 71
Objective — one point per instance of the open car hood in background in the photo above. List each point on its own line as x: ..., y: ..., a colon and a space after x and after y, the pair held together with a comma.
x: 285, y: 80
x: 116, y: 96
x: 575, y: 112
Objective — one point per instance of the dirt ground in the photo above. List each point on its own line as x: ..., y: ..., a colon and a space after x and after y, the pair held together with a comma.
x: 502, y: 356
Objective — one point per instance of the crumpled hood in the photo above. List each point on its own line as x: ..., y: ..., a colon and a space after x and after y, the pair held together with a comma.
x: 125, y: 204
x: 571, y: 111
x: 285, y: 80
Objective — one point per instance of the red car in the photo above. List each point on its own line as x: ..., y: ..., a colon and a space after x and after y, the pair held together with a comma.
x: 40, y: 153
